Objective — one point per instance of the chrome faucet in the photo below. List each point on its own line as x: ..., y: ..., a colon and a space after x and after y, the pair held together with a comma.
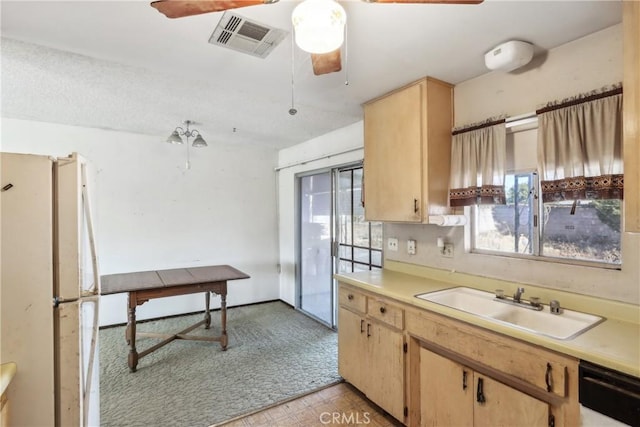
x: 518, y: 295
x: 532, y: 304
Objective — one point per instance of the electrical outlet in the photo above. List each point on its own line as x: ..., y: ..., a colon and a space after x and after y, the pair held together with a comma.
x: 447, y: 250
x: 392, y: 244
x: 411, y: 247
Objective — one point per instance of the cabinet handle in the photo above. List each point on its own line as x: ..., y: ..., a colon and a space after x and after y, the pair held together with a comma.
x: 383, y: 310
x: 368, y: 330
x: 464, y: 380
x: 361, y: 325
x: 415, y: 205
x: 548, y: 379
x: 350, y: 297
x: 480, y: 393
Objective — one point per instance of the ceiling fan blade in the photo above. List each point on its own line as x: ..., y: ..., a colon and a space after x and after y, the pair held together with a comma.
x: 325, y: 63
x: 181, y: 8
x: 427, y: 1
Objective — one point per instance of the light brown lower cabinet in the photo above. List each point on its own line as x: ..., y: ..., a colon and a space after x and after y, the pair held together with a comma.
x: 386, y: 368
x: 427, y: 369
x: 371, y: 358
x: 4, y: 410
x: 352, y: 347
x: 455, y: 395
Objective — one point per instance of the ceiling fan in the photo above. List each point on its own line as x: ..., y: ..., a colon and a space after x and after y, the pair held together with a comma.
x: 325, y: 58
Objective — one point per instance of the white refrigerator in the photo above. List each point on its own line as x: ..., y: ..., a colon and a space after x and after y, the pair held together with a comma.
x: 49, y: 291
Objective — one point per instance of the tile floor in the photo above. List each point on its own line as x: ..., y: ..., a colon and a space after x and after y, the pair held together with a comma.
x: 336, y: 405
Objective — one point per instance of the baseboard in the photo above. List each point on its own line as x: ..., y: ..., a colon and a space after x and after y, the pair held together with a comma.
x: 172, y: 316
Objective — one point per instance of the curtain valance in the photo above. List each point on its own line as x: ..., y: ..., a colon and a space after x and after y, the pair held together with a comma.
x: 478, y: 159
x: 580, y: 147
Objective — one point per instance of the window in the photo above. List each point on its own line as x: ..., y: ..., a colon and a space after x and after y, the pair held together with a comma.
x: 586, y: 231
x: 509, y: 227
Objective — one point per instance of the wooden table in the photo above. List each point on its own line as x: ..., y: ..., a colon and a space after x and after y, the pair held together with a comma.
x: 143, y: 286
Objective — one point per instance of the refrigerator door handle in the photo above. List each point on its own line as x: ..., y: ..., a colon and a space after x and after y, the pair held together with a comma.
x: 95, y: 289
x: 86, y: 398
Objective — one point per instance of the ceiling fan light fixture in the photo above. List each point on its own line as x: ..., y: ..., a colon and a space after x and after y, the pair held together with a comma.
x: 319, y: 25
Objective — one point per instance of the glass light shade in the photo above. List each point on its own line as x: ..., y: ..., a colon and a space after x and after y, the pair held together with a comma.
x: 319, y: 25
x: 174, y: 138
x: 199, y: 141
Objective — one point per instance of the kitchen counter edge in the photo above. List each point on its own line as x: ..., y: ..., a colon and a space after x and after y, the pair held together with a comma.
x: 614, y: 343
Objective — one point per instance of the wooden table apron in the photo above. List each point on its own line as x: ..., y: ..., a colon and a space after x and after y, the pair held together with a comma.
x: 157, y: 288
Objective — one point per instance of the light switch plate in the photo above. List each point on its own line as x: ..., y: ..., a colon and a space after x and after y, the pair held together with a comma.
x: 411, y: 247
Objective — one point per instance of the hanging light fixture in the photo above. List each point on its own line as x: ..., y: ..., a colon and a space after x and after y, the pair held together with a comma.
x: 178, y: 133
x: 319, y: 25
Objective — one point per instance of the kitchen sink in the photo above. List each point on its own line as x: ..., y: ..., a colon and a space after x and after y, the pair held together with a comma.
x: 566, y: 325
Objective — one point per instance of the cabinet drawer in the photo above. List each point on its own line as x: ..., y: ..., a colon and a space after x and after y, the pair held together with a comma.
x: 541, y: 368
x: 381, y: 310
x: 353, y: 300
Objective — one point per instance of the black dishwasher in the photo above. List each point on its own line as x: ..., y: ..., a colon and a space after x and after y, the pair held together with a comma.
x: 611, y: 393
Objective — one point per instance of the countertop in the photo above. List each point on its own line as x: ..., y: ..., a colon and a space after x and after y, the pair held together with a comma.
x: 614, y: 343
x: 7, y: 371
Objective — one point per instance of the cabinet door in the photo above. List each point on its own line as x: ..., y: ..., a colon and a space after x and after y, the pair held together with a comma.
x: 352, y: 347
x: 393, y: 152
x: 4, y: 411
x: 446, y: 391
x: 631, y: 115
x: 506, y: 406
x: 386, y: 368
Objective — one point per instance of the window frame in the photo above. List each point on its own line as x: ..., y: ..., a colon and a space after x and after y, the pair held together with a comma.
x: 537, y: 254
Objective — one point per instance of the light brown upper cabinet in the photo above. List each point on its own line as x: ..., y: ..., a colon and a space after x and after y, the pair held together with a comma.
x: 407, y: 152
x: 631, y: 115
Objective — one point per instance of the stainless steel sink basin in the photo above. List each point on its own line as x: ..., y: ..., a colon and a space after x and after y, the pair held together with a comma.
x: 564, y: 326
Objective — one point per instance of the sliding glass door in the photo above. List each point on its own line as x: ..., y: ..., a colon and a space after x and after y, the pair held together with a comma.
x: 333, y: 237
x: 316, y: 204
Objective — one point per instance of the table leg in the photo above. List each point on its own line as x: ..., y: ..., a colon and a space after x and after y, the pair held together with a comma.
x: 131, y: 333
x: 207, y: 313
x: 223, y: 314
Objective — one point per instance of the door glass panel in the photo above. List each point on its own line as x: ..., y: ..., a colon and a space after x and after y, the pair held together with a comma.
x: 316, y: 285
x: 360, y: 241
x: 376, y: 257
x: 361, y: 255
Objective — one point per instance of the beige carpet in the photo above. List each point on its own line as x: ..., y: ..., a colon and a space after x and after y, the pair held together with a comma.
x: 274, y: 353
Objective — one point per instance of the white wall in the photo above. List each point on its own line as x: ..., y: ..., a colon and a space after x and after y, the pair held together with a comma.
x: 152, y: 214
x: 299, y: 159
x: 580, y: 66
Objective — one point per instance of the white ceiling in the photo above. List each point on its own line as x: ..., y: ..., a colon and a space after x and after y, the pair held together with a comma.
x: 122, y: 65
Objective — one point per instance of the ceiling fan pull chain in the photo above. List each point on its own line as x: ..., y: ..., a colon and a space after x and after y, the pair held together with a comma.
x: 292, y: 110
x: 346, y: 55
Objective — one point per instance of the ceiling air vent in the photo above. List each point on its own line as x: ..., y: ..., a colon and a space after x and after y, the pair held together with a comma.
x: 239, y: 33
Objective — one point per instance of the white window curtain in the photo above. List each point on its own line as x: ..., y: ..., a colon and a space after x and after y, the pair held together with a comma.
x: 478, y: 159
x: 580, y: 148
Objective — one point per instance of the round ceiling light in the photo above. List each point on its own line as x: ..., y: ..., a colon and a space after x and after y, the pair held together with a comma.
x: 319, y: 25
